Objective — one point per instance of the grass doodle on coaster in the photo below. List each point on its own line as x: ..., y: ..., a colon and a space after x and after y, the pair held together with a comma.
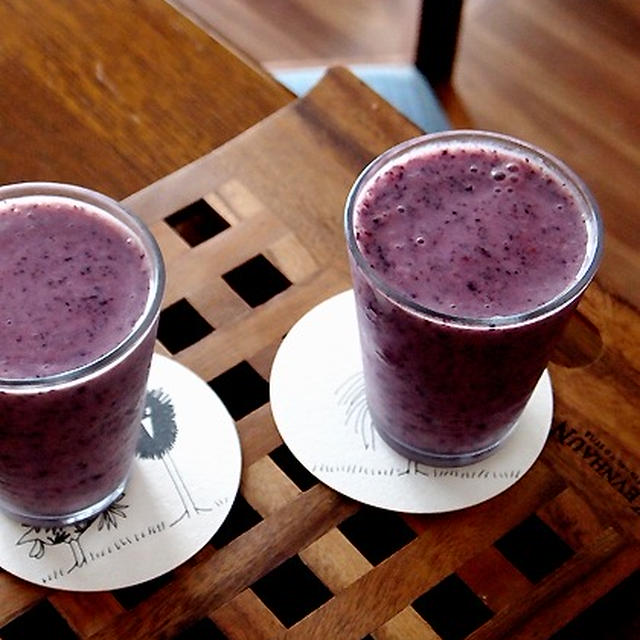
x: 319, y: 406
x: 182, y: 486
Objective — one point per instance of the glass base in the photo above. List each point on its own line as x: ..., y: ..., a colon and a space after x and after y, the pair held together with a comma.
x: 443, y: 459
x: 61, y: 520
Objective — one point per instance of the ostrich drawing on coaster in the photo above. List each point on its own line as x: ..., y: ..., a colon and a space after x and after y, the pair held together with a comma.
x: 157, y: 438
x: 351, y: 396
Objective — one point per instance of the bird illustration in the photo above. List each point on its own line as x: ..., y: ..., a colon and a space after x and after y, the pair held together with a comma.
x: 157, y: 437
x: 42, y: 537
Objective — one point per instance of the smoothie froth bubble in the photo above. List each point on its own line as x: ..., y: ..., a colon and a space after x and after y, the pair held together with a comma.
x: 469, y: 251
x: 81, y: 282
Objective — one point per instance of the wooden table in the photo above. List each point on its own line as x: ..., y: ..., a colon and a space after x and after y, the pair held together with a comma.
x: 115, y: 95
x: 130, y: 98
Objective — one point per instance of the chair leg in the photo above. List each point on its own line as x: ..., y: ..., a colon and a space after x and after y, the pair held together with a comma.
x: 437, y: 39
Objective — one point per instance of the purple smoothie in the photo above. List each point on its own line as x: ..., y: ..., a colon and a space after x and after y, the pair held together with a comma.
x: 469, y: 253
x: 78, y: 310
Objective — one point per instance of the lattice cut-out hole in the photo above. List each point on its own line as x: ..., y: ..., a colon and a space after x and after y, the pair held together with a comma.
x: 197, y: 222
x: 452, y: 608
x: 204, y: 629
x: 377, y: 534
x: 256, y: 281
x: 242, y: 389
x: 41, y: 621
x: 534, y: 548
x: 291, y: 591
x: 181, y: 325
x: 129, y: 597
x: 241, y: 518
x: 294, y: 469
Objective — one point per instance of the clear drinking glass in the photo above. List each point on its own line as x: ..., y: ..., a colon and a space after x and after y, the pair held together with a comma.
x: 445, y: 386
x: 68, y: 432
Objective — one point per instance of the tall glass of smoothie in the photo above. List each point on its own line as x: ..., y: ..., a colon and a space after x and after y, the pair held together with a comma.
x: 81, y: 281
x: 469, y: 250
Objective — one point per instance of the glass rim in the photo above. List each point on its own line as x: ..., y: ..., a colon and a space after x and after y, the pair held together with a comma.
x: 412, y: 146
x: 147, y: 318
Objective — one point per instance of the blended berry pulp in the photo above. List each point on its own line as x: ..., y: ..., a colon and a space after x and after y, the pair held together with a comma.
x: 74, y: 284
x: 460, y: 248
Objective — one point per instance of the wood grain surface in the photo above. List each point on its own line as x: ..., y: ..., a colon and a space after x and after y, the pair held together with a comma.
x: 557, y: 555
x: 287, y: 178
x: 138, y: 93
x: 290, y: 33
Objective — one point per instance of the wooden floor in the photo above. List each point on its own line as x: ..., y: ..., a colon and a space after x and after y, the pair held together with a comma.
x: 561, y: 73
x: 286, y: 33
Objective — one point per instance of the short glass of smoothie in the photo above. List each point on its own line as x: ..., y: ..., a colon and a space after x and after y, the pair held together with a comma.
x: 469, y: 250
x: 81, y: 282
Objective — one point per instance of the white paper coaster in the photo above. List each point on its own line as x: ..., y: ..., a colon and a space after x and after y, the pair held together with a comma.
x: 318, y: 403
x: 182, y: 486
